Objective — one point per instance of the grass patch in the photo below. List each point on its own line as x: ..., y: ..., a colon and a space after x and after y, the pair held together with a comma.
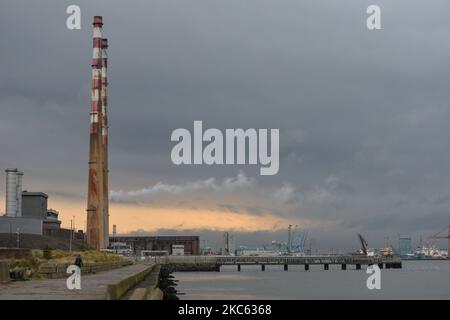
x: 60, y: 256
x: 90, y: 256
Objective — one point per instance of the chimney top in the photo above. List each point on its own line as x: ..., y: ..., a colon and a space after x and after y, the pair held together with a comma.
x: 98, y: 21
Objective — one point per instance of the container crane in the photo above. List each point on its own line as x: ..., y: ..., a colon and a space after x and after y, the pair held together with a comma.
x: 439, y: 236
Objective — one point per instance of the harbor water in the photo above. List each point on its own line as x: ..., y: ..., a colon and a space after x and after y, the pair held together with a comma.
x: 416, y: 280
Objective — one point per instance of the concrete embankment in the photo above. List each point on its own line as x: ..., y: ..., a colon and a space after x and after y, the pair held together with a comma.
x: 103, y: 285
x: 159, y: 284
x: 147, y: 289
x: 116, y: 290
x: 122, y: 281
x: 4, y: 271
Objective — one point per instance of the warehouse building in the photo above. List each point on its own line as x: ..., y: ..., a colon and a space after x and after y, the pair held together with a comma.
x: 191, y: 244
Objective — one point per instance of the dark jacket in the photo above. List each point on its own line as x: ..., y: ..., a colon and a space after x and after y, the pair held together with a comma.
x: 79, y: 261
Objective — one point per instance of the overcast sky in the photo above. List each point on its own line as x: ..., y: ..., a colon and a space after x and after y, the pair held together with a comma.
x: 363, y: 115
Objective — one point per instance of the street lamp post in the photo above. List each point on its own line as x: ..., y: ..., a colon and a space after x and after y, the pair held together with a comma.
x: 71, y: 235
x: 18, y: 238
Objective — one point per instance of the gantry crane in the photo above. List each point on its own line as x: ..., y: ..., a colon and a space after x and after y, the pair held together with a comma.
x: 439, y: 236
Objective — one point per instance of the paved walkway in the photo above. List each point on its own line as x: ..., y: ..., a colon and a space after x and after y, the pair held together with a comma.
x: 93, y: 287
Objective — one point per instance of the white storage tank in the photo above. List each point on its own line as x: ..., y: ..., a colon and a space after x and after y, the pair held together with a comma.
x: 13, y: 192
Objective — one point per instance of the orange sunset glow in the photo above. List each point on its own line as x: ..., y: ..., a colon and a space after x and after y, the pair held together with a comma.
x: 131, y: 218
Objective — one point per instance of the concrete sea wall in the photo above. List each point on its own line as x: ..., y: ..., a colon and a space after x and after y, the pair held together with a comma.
x: 117, y: 290
x: 4, y: 271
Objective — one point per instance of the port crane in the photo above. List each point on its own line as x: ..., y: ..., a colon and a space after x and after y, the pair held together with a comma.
x: 440, y: 236
x: 363, y: 244
x: 226, y: 238
x: 298, y: 245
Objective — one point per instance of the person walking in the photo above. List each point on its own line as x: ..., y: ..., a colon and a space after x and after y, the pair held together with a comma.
x: 78, y: 261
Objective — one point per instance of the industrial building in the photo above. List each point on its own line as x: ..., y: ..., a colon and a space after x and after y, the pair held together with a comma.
x: 14, y: 219
x: 34, y: 205
x: 404, y: 246
x: 28, y: 212
x: 191, y: 244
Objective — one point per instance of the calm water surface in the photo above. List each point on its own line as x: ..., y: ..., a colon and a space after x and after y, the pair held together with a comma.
x: 416, y: 280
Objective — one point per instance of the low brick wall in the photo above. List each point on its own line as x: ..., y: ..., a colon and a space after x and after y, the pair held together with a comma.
x: 35, y: 241
x: 58, y: 270
x: 14, y: 253
x: 4, y: 271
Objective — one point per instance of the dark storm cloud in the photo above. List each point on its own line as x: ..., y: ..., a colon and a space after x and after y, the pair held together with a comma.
x: 367, y: 108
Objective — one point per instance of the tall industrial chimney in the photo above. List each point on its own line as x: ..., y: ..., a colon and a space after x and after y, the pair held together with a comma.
x: 104, y: 96
x: 95, y: 203
x: 13, y: 192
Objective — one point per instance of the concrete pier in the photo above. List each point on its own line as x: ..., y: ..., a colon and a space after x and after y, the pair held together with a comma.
x: 213, y: 263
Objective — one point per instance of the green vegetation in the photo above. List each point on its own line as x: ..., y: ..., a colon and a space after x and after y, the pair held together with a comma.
x: 48, y: 255
x: 29, y: 263
x: 89, y: 256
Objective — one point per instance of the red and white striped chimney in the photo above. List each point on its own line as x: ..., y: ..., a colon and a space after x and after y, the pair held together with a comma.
x: 95, y: 206
x: 96, y: 74
x: 104, y: 96
x: 104, y: 91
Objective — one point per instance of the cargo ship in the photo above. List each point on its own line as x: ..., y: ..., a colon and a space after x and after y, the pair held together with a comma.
x: 427, y: 253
